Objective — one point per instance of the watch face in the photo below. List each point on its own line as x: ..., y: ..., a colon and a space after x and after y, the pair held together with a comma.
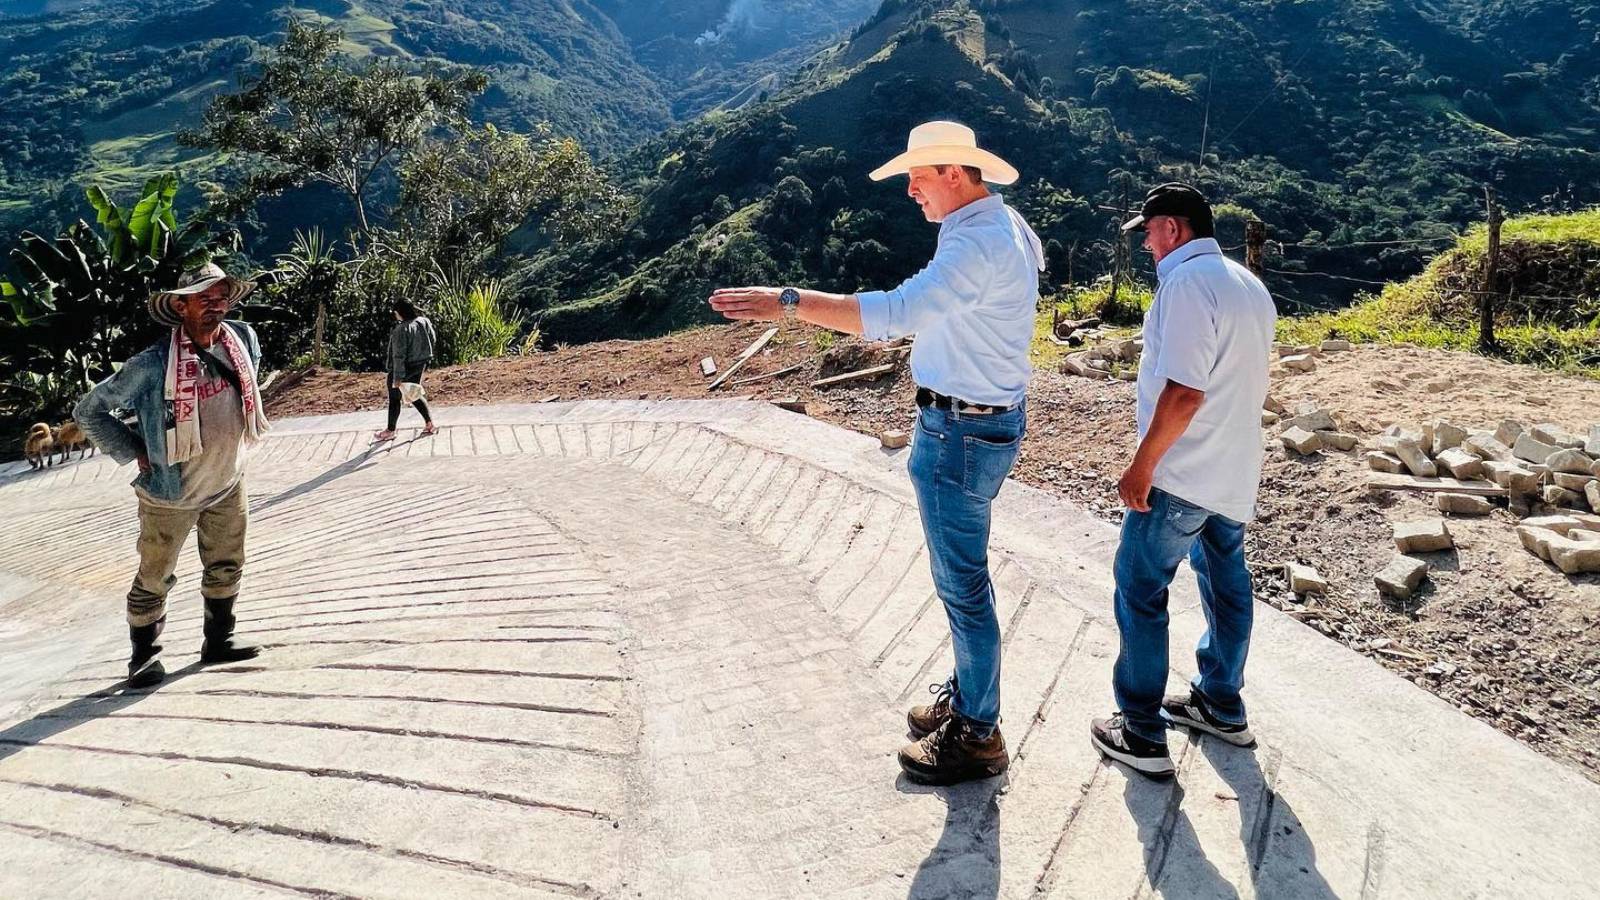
x: 789, y: 297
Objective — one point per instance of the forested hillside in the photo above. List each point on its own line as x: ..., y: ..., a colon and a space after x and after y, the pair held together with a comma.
x: 97, y: 90
x: 1362, y: 133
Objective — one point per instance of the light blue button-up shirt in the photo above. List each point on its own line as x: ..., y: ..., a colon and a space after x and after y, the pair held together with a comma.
x: 972, y: 308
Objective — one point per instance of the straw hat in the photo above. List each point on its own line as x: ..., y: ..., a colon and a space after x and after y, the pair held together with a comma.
x: 195, y: 281
x: 946, y: 143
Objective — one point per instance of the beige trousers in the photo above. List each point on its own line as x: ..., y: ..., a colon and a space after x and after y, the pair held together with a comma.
x: 162, y: 533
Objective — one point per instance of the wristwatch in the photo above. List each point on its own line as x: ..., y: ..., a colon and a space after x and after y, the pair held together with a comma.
x: 790, y: 300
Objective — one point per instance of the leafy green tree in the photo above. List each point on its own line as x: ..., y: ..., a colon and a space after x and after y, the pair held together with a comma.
x: 789, y: 211
x: 310, y: 116
x: 467, y: 194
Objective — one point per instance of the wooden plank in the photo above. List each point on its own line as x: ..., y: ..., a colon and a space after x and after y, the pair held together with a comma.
x: 1380, y: 481
x: 857, y: 375
x: 754, y: 378
x: 744, y: 357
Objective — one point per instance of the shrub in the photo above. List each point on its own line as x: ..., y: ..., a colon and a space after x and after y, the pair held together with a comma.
x: 473, y: 322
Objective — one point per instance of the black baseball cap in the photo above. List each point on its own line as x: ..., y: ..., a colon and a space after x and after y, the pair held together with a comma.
x: 1174, y: 199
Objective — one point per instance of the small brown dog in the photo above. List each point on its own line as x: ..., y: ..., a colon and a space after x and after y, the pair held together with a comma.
x: 70, y: 437
x: 39, y: 447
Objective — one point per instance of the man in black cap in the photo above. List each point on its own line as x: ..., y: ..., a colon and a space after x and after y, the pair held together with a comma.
x: 1191, y: 486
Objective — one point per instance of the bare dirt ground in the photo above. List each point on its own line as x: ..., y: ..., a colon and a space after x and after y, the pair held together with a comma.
x: 1501, y: 634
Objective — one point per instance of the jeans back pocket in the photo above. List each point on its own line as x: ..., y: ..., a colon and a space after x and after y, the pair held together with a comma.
x: 988, y: 462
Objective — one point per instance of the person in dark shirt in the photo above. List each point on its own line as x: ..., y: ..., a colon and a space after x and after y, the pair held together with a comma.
x: 410, y: 350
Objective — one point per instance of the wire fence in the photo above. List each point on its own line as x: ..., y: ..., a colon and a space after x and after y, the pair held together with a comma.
x: 1318, y: 245
x: 1284, y: 249
x: 1468, y: 291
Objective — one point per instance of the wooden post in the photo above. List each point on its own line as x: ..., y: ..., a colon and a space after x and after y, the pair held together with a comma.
x: 1491, y: 277
x: 319, y: 355
x: 1120, y: 256
x: 1255, y: 245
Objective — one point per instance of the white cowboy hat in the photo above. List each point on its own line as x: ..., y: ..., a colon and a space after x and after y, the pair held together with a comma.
x: 193, y: 282
x: 946, y: 144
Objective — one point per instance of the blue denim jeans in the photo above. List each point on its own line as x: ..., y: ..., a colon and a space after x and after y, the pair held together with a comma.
x: 958, y: 463
x: 1153, y: 543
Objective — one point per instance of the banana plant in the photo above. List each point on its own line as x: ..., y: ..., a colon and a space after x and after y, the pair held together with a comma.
x: 144, y: 231
x: 77, y: 303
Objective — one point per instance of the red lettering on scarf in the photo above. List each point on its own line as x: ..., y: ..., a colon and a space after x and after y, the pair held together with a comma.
x: 208, y: 389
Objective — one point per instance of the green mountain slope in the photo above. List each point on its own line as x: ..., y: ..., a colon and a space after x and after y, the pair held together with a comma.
x: 1340, y: 123
x: 96, y: 90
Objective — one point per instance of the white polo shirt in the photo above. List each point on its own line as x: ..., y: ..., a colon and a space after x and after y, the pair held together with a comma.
x: 1210, y: 328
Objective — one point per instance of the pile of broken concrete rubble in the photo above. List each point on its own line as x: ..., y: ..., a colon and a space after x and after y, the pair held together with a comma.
x: 1113, y: 359
x: 1548, y: 477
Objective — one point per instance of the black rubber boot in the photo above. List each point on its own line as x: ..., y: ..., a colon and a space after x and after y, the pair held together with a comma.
x: 219, y: 646
x: 144, y: 666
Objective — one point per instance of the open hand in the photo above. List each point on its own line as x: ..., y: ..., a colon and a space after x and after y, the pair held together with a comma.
x: 1135, y: 488
x: 748, y: 303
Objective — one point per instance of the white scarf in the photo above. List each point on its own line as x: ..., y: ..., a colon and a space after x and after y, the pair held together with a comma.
x: 183, y: 378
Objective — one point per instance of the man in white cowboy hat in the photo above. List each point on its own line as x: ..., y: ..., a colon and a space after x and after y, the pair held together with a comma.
x: 972, y: 309
x: 195, y: 396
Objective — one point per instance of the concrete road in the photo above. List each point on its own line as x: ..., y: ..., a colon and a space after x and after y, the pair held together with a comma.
x: 664, y: 650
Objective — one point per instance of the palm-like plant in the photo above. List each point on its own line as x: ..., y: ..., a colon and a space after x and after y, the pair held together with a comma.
x: 472, y: 320
x: 311, y: 270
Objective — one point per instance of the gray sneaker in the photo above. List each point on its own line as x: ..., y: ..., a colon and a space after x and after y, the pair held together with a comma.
x: 1190, y: 711
x: 1114, y: 741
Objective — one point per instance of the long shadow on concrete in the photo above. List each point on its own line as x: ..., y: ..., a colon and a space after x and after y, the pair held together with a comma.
x: 1282, y: 856
x: 1173, y: 857
x: 95, y: 705
x: 348, y: 467
x: 966, y: 860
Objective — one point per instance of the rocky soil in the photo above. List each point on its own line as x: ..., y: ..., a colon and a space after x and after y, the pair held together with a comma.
x: 1493, y: 629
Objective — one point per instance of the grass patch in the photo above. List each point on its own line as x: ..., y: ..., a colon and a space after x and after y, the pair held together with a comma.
x: 1133, y: 301
x: 1390, y: 319
x: 1549, y: 318
x: 1581, y: 227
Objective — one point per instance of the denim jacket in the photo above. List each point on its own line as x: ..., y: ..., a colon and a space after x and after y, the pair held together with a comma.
x: 140, y: 387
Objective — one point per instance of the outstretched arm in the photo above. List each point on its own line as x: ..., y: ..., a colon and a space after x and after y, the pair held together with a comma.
x: 954, y: 281
x: 839, y: 312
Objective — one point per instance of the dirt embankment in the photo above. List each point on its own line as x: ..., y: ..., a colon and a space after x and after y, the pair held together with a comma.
x: 1495, y: 631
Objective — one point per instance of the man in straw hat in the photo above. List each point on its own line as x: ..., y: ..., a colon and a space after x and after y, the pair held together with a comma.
x: 1191, y: 485
x: 195, y: 395
x: 972, y: 309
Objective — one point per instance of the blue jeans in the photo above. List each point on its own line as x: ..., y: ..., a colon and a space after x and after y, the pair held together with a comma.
x: 1153, y: 544
x: 958, y: 463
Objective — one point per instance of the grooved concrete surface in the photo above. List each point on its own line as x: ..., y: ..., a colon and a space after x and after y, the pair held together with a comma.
x: 664, y: 650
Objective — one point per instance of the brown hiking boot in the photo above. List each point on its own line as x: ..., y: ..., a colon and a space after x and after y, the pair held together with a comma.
x: 925, y: 720
x: 951, y: 754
